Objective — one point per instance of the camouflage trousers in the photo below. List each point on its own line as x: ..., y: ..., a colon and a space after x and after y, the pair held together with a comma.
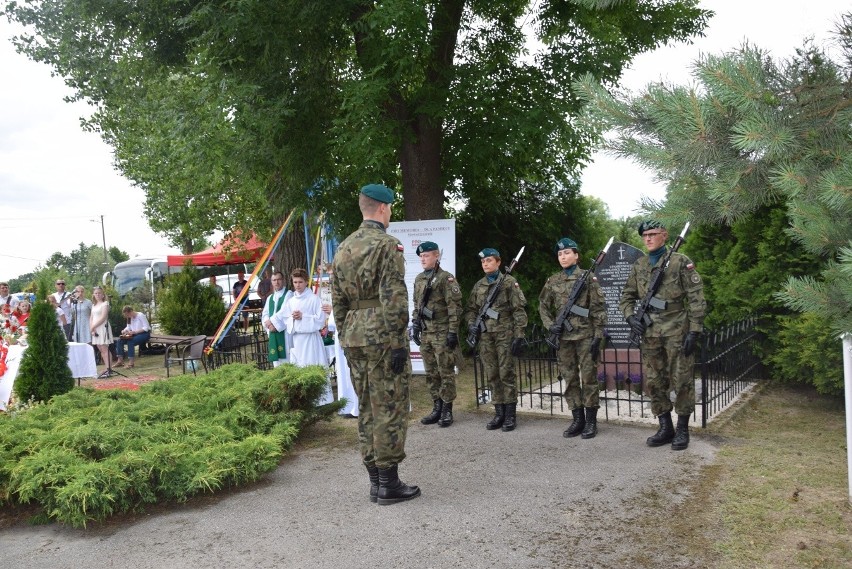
x: 665, y: 369
x: 440, y: 364
x: 578, y: 371
x: 499, y: 365
x: 383, y: 404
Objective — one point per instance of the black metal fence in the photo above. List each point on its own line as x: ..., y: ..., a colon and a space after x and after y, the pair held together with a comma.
x: 725, y: 368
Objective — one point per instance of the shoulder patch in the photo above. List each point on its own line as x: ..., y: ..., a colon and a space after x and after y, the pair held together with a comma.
x: 594, y: 277
x: 400, y: 248
x: 450, y: 279
x: 690, y: 266
x: 695, y: 278
x: 456, y: 289
x: 517, y: 285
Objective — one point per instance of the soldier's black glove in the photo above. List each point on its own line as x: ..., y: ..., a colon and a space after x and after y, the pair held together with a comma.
x: 555, y: 329
x: 518, y: 346
x: 595, y: 349
x: 398, y: 358
x: 636, y: 325
x: 690, y: 341
x: 416, y: 331
x: 452, y: 340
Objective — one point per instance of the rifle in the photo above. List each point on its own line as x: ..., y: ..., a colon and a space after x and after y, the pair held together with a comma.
x: 570, y: 307
x: 424, y: 313
x: 486, y: 311
x: 650, y: 299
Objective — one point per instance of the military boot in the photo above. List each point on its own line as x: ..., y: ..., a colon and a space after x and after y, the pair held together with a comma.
x: 510, y: 422
x: 392, y: 489
x: 497, y: 421
x: 591, y: 428
x: 374, y: 481
x: 665, y: 434
x: 446, y: 415
x: 576, y: 426
x: 433, y: 417
x: 681, y: 436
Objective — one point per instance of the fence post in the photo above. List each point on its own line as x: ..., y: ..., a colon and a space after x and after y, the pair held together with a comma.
x: 847, y: 383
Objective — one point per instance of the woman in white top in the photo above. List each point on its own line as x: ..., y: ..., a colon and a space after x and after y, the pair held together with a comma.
x: 99, y: 323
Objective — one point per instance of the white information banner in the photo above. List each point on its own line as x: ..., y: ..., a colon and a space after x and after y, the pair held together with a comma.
x: 411, y: 234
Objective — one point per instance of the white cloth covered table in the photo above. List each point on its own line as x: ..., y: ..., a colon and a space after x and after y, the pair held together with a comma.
x: 81, y: 360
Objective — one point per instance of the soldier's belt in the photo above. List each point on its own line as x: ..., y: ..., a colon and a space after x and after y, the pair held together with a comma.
x: 365, y: 303
x: 660, y: 305
x: 432, y: 314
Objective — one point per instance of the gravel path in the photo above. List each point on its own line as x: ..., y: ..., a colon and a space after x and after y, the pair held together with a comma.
x: 529, y: 498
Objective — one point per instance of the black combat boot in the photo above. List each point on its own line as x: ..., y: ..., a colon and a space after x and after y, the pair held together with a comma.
x: 576, y: 426
x: 374, y: 481
x: 499, y: 414
x: 446, y: 415
x: 392, y: 489
x: 591, y: 428
x: 681, y: 436
x: 433, y: 417
x: 511, y: 421
x: 665, y: 434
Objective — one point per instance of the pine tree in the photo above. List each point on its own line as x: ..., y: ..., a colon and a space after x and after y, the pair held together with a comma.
x: 754, y: 133
x: 44, y: 370
x: 186, y: 307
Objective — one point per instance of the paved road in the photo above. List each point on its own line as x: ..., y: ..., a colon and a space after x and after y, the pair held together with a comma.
x: 490, y: 500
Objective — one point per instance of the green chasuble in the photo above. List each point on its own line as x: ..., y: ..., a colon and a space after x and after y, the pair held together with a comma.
x: 277, y: 344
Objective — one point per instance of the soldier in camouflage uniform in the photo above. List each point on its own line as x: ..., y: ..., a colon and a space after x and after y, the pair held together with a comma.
x: 669, y: 343
x: 580, y: 347
x: 503, y: 337
x: 370, y: 302
x: 435, y: 330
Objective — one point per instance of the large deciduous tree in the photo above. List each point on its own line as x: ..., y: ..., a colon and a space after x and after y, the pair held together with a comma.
x: 225, y: 111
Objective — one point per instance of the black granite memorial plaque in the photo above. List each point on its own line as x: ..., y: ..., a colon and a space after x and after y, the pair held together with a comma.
x: 612, y: 275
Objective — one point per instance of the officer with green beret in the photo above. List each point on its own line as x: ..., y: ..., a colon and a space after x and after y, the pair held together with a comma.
x: 669, y: 343
x: 580, y: 346
x: 370, y: 302
x: 503, y: 336
x: 435, y: 324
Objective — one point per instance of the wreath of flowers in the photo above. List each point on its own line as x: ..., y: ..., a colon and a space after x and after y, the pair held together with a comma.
x: 4, y: 349
x: 9, y: 327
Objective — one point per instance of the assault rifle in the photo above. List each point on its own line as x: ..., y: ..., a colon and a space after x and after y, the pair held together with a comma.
x: 424, y: 313
x: 486, y: 311
x: 562, y: 323
x: 650, y: 299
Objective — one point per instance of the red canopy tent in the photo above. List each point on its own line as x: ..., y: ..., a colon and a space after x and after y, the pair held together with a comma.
x: 230, y: 251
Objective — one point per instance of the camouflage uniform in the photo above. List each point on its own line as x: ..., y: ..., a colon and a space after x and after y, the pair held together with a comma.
x: 495, y: 343
x: 664, y: 365
x: 575, y: 361
x: 445, y: 301
x: 370, y: 302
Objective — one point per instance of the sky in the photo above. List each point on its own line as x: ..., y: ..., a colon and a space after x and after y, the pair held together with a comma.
x: 56, y: 181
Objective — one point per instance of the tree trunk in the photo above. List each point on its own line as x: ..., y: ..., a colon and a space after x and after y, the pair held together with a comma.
x: 291, y: 253
x: 420, y: 162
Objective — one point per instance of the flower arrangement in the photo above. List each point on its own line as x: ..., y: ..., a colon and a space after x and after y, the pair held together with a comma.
x: 10, y: 329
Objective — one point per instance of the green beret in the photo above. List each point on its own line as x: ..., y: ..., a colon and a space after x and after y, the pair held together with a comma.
x: 565, y: 243
x: 426, y: 246
x: 649, y: 224
x: 378, y: 192
x: 489, y: 252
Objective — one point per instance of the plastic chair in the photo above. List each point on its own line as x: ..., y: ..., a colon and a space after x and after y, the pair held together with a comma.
x: 192, y: 350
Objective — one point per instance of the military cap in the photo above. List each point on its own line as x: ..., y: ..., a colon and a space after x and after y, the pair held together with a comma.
x: 565, y: 243
x: 649, y: 224
x: 378, y: 192
x: 426, y: 246
x: 489, y: 252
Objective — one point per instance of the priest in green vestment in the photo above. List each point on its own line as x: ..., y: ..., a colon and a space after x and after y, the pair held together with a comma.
x: 274, y: 321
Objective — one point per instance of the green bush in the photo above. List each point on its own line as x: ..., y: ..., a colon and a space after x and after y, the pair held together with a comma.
x: 808, y: 352
x: 87, y: 455
x: 44, y: 370
x: 187, y: 308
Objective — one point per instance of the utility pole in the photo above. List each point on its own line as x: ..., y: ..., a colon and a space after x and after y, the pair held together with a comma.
x: 103, y: 235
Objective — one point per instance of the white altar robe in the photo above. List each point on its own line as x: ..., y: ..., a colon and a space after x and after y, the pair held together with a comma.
x: 344, y: 379
x: 307, y: 347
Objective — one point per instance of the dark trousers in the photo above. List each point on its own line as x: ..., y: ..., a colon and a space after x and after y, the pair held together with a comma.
x: 131, y: 344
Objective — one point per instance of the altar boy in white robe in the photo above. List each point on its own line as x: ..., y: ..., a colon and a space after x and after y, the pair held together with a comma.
x: 305, y: 318
x: 274, y: 320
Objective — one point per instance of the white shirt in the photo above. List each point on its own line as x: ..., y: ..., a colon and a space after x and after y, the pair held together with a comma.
x: 138, y: 323
x: 13, y: 301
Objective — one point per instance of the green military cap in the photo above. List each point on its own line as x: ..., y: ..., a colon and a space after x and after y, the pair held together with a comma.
x: 489, y: 252
x: 649, y: 224
x: 378, y: 192
x: 426, y: 246
x: 565, y: 243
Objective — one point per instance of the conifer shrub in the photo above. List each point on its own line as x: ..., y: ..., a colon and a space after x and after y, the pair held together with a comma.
x: 88, y: 455
x: 186, y: 308
x: 44, y: 370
